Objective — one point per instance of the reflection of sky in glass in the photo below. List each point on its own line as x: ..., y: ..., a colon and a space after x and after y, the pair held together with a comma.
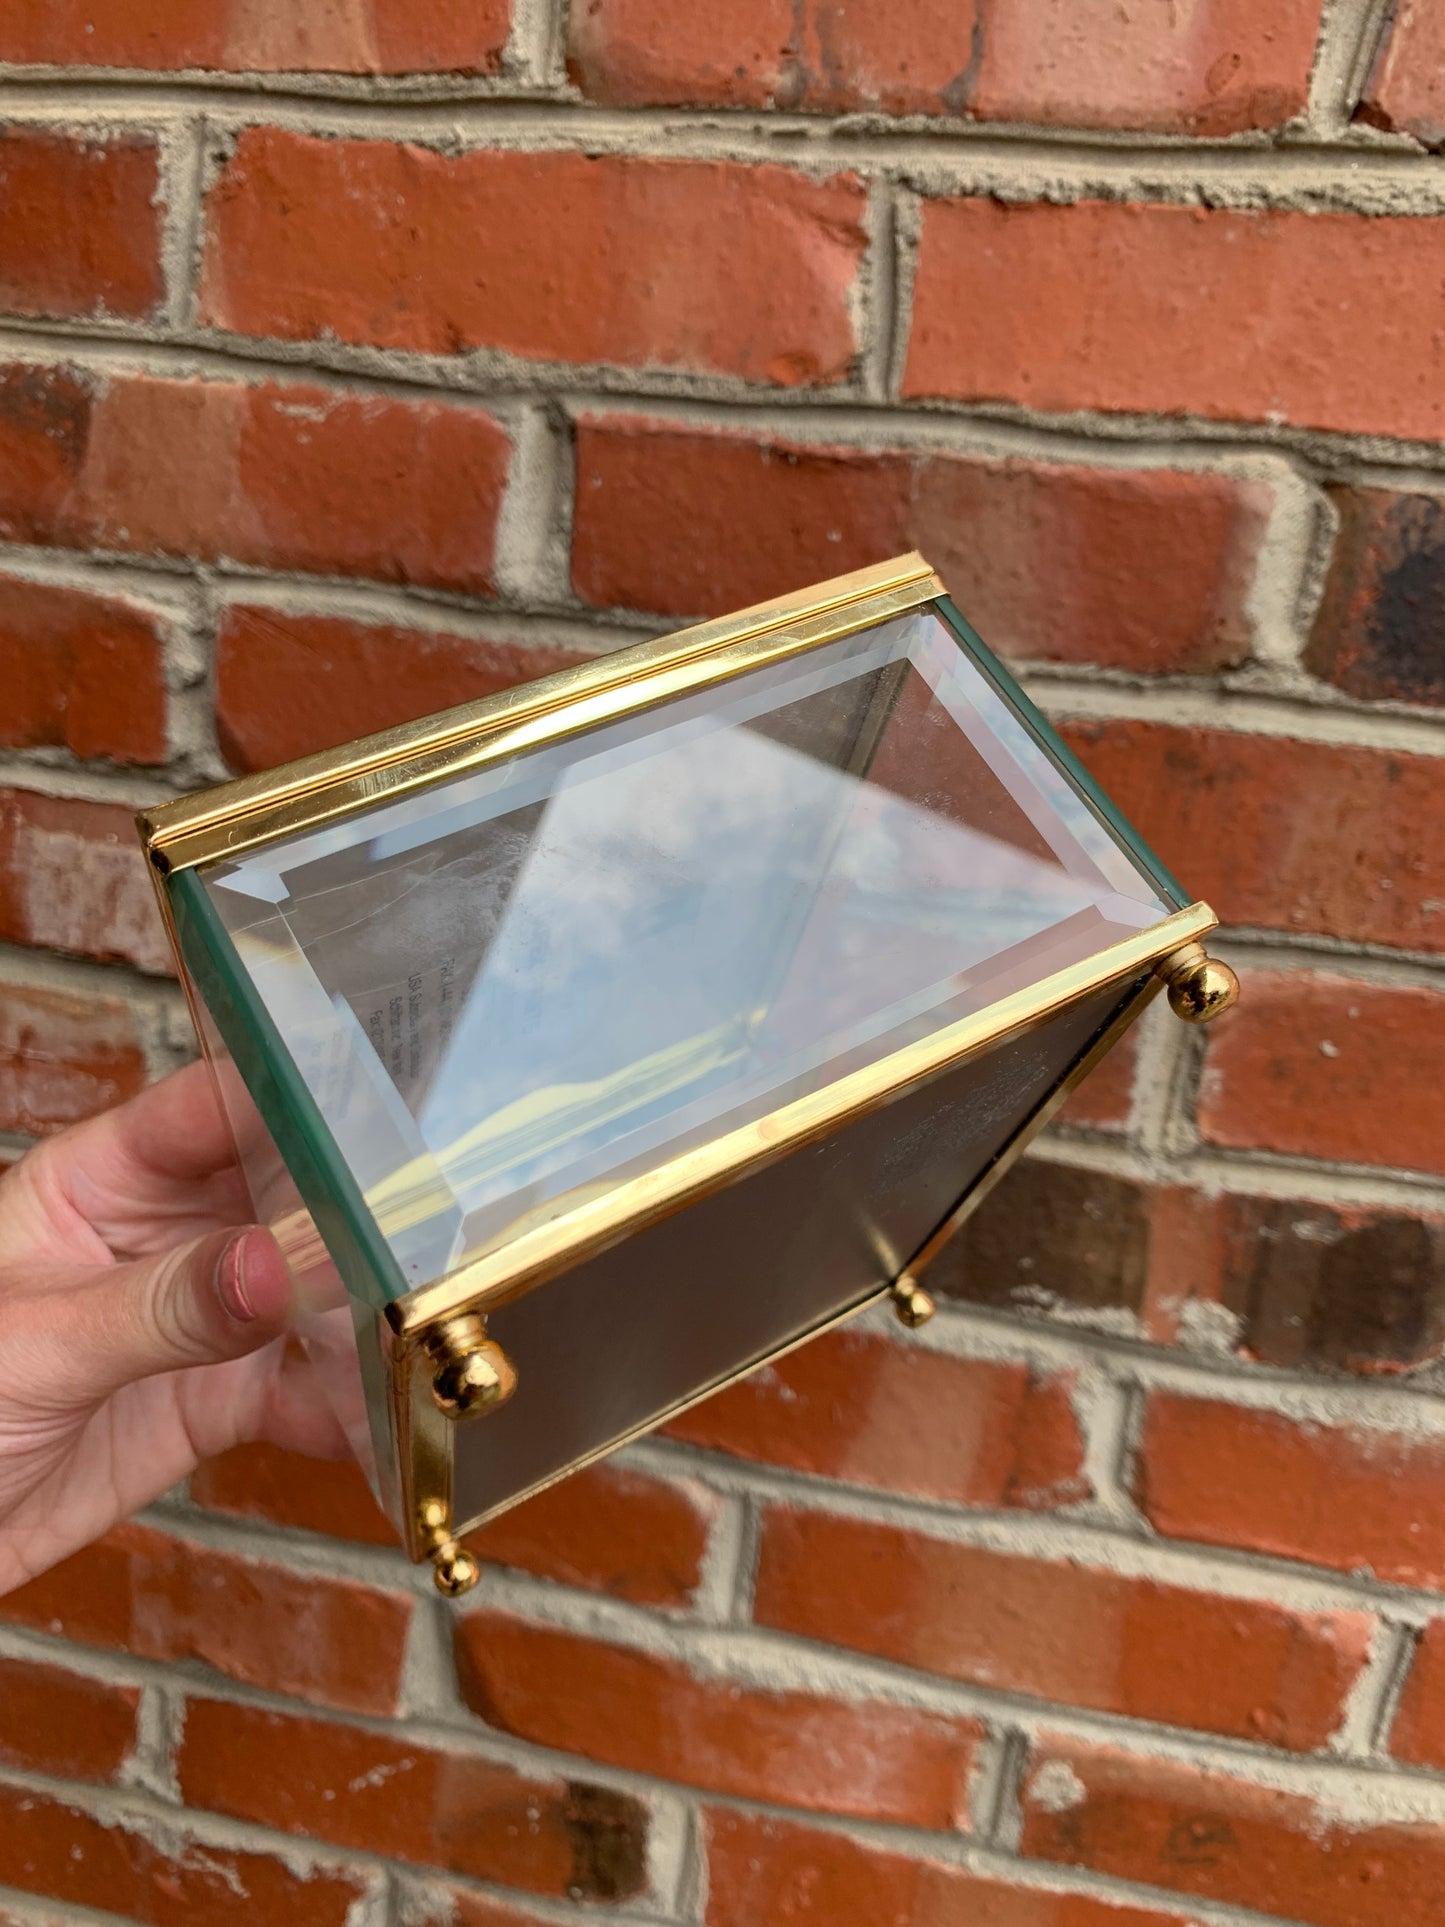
x: 699, y: 921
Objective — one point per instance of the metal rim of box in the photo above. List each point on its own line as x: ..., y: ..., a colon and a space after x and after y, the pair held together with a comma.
x: 446, y: 1318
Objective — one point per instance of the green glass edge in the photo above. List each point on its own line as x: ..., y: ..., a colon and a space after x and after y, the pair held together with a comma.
x: 288, y: 1110
x: 1055, y: 747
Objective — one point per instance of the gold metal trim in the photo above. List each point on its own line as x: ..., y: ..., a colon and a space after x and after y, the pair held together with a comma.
x: 235, y: 817
x: 599, y: 1222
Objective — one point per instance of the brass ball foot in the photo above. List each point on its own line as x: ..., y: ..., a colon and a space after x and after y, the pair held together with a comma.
x: 912, y: 1304
x: 473, y: 1373
x: 454, y: 1569
x: 1201, y: 988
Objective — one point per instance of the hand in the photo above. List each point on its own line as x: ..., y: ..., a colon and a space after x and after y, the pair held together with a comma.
x: 142, y: 1323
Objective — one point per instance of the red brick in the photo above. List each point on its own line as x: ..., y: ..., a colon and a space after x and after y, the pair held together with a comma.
x: 45, y: 422
x: 287, y: 685
x: 61, y: 1723
x: 1105, y: 1099
x: 1086, y: 1636
x: 50, y: 1847
x: 279, y: 475
x: 1193, y: 1831
x: 1405, y: 92
x: 774, y: 1870
x: 732, y: 269
x: 378, y: 37
x: 605, y: 1529
x: 1359, y: 1500
x: 1329, y: 1067
x: 1304, y: 837
x: 1104, y: 312
x: 1047, y: 559
x: 1418, y: 1734
x: 412, y: 1802
x: 630, y: 1709
x: 612, y: 1531
x: 81, y: 672
x: 72, y: 877
x: 461, y: 1907
x: 80, y: 223
x: 64, y: 1057
x: 1377, y: 634
x: 320, y: 1495
x: 855, y: 1407
x: 139, y: 1591
x: 1222, y: 68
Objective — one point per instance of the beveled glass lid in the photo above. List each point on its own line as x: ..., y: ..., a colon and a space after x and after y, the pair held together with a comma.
x: 527, y: 982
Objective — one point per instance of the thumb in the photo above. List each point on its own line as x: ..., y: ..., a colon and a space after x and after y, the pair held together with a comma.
x: 217, y: 1298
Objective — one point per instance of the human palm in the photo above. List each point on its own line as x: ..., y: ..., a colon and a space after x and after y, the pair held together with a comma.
x: 142, y: 1323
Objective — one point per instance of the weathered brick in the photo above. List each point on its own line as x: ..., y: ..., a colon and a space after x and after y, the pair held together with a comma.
x: 287, y: 685
x: 1348, y: 1288
x: 1353, y: 1287
x: 1104, y: 312
x: 1377, y: 633
x: 279, y: 475
x: 1190, y: 1830
x: 376, y: 37
x: 856, y: 1407
x: 1047, y: 559
x: 64, y: 1057
x: 72, y: 877
x: 1405, y: 92
x: 1086, y: 1636
x: 1318, y: 838
x: 630, y: 1709
x: 1224, y: 67
x: 732, y: 269
x: 411, y: 1802
x: 45, y: 422
x: 80, y: 222
x: 1418, y: 1732
x: 774, y: 1870
x: 57, y: 1722
x: 1329, y: 1067
x: 1356, y: 1499
x: 81, y: 672
x: 49, y: 1846
x: 140, y: 1591
x: 1053, y: 1234
x: 606, y: 1528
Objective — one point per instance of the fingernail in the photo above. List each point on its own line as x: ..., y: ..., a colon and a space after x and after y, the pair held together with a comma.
x: 232, y: 1280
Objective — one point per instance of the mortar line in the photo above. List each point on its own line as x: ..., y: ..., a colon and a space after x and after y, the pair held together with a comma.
x: 509, y: 113
x: 500, y: 382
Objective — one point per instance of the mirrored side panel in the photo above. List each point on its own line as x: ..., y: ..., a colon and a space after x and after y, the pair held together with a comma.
x: 613, y: 1345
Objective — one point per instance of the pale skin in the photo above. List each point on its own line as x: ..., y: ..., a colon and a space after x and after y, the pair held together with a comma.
x: 143, y: 1323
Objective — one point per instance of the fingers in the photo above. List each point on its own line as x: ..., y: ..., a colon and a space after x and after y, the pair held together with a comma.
x: 217, y: 1298
x: 174, y: 1129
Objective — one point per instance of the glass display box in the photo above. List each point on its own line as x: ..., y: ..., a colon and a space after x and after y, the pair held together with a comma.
x: 593, y: 1043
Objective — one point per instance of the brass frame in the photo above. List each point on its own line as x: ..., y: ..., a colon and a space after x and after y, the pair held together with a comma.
x: 234, y: 818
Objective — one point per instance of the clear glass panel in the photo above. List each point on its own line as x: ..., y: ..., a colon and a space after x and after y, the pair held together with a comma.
x: 534, y: 981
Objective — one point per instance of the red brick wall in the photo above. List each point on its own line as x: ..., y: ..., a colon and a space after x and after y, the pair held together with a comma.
x: 357, y: 358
